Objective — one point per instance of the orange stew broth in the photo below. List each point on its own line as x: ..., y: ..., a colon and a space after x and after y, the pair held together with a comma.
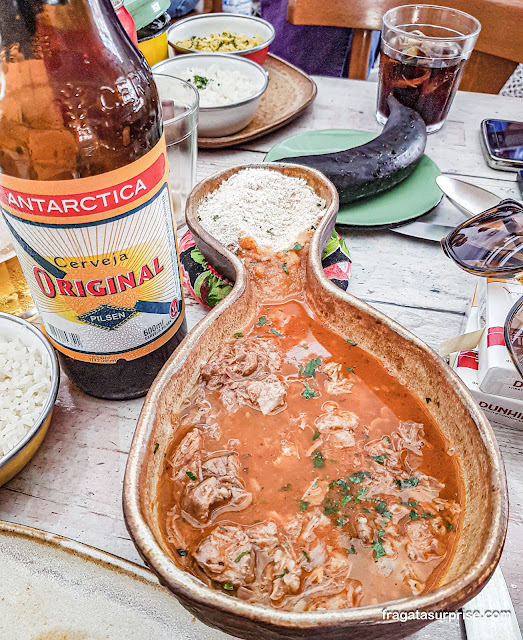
x: 281, y: 455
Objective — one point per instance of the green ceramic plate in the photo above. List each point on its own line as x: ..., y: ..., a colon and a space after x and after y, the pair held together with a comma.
x: 411, y: 198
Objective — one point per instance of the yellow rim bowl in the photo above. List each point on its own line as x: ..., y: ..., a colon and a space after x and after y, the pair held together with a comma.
x: 155, y: 49
x: 16, y: 459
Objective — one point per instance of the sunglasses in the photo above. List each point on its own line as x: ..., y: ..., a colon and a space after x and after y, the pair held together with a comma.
x: 491, y: 245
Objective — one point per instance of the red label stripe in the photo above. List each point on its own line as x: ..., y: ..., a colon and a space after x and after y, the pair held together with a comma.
x: 495, y: 337
x: 468, y: 360
x: 88, y: 203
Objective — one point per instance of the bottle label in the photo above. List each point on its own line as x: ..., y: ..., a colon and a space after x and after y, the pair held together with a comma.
x: 237, y: 6
x: 100, y: 257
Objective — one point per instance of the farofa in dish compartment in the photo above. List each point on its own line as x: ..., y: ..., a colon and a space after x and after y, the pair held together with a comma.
x: 220, y: 42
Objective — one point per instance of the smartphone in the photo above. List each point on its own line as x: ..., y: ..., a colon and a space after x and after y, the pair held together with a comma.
x: 503, y: 144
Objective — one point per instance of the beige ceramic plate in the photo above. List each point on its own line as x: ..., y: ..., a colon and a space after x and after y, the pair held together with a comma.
x: 290, y: 92
x: 416, y: 366
x: 52, y: 588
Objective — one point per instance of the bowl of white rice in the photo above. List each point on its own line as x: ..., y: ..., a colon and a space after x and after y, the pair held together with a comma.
x: 229, y: 87
x: 29, y: 379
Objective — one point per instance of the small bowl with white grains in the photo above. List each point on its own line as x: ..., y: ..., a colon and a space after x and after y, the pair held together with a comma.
x: 230, y: 89
x: 29, y: 380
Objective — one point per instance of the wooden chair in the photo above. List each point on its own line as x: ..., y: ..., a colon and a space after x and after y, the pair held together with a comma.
x: 498, y: 50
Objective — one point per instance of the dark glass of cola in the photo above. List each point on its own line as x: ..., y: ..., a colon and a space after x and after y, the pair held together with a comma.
x: 422, y: 59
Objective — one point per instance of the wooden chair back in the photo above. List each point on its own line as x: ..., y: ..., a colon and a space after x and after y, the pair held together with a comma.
x: 498, y: 50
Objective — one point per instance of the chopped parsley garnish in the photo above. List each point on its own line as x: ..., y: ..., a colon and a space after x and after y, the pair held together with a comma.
x: 191, y: 475
x: 427, y: 515
x: 361, y: 492
x: 341, y: 522
x: 297, y: 246
x: 358, y: 476
x: 387, y: 439
x: 331, y: 507
x: 261, y: 321
x: 215, y: 217
x: 346, y: 499
x: 304, y: 345
x: 410, y: 503
x: 310, y: 368
x: 449, y: 526
x: 316, y: 435
x: 350, y: 369
x: 367, y: 510
x: 351, y: 342
x: 381, y: 507
x: 342, y: 483
x: 228, y: 586
x: 352, y: 550
x: 308, y: 392
x: 156, y: 447
x: 284, y: 267
x: 405, y: 484
x: 380, y: 459
x: 200, y: 82
x: 378, y: 549
x: 306, y: 555
x: 304, y: 505
x: 243, y: 553
x: 280, y: 575
x: 276, y: 333
x: 318, y: 460
x: 413, y: 515
x: 238, y: 335
x: 286, y: 487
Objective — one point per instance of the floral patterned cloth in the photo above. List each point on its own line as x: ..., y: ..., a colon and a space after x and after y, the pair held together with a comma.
x: 207, y: 286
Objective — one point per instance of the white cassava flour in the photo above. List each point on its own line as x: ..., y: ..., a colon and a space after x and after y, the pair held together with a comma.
x: 262, y: 204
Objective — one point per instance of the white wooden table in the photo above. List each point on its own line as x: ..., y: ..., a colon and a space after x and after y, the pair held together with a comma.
x: 73, y: 485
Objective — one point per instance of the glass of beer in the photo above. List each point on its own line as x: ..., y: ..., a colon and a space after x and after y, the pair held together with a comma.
x: 424, y: 49
x: 14, y: 292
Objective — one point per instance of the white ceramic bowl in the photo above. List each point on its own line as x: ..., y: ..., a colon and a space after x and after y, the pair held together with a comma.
x: 207, y: 23
x: 224, y: 120
x: 16, y: 459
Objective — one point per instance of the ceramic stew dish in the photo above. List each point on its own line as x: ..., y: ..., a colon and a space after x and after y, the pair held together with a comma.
x: 416, y: 366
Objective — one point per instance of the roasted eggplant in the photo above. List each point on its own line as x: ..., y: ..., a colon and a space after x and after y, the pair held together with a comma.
x: 378, y: 165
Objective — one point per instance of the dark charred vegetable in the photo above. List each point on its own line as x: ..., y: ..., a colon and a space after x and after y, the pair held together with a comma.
x: 378, y: 165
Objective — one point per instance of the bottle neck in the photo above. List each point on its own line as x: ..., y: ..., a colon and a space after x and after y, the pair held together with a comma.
x: 34, y: 28
x: 78, y: 97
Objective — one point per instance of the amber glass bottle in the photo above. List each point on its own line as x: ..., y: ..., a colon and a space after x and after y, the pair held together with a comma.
x: 84, y: 191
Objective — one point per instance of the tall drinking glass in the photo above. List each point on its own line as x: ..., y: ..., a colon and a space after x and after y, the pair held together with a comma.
x: 15, y: 297
x: 180, y: 119
x: 424, y: 49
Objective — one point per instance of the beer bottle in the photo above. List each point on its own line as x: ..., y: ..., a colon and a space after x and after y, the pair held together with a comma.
x: 84, y: 191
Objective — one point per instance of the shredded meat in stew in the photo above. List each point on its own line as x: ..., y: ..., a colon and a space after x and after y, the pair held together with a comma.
x: 302, y: 475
